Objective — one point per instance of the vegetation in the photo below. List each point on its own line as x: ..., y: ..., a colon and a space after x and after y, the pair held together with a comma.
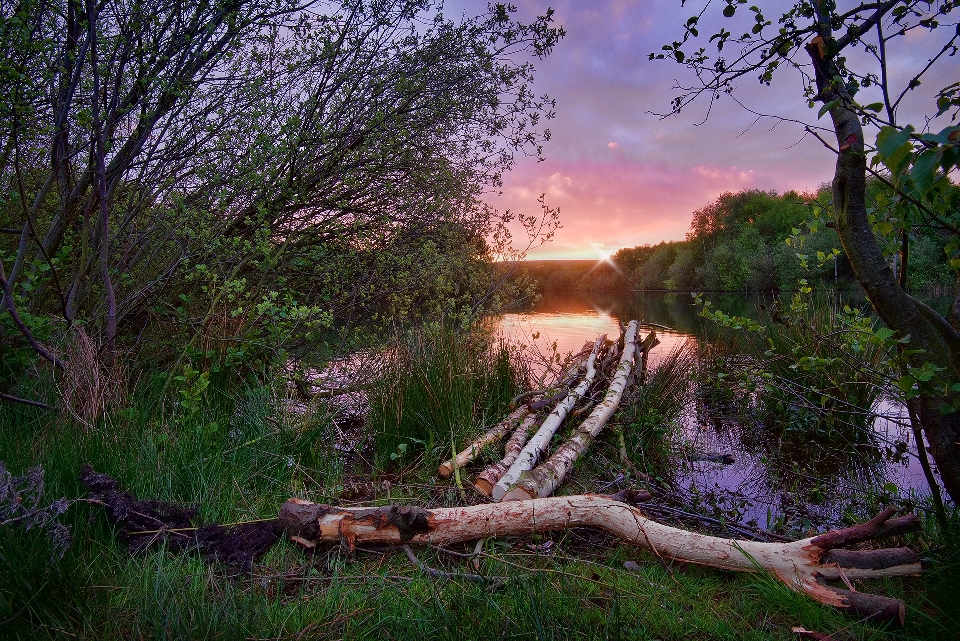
x: 915, y: 163
x: 244, y: 454
x: 223, y: 185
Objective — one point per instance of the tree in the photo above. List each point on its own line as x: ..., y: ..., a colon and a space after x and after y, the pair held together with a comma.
x: 815, y: 37
x: 267, y: 164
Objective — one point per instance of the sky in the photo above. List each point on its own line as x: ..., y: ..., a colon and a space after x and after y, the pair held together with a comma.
x: 621, y: 175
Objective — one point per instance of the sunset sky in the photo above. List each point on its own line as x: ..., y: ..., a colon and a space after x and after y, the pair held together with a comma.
x: 624, y: 177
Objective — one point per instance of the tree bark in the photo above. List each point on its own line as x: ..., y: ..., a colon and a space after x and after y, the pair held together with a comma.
x: 804, y: 566
x: 546, y: 478
x: 535, y: 447
x: 926, y: 344
x: 492, y: 435
x: 489, y: 477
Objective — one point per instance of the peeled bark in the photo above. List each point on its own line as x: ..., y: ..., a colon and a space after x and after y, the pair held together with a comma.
x: 492, y: 435
x: 489, y: 477
x: 538, y: 443
x: 544, y: 479
x: 803, y: 565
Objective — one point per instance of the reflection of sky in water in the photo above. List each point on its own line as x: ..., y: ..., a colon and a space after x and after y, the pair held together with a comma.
x: 755, y: 487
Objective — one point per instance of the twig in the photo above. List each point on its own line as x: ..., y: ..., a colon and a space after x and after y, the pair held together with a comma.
x: 24, y: 401
x: 440, y: 574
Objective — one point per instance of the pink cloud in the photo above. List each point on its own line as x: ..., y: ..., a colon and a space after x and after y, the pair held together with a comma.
x: 613, y: 145
x: 608, y: 205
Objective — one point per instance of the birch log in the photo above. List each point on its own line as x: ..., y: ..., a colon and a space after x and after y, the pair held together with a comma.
x: 545, y: 478
x: 535, y: 447
x: 803, y: 565
x: 492, y: 435
x: 489, y: 477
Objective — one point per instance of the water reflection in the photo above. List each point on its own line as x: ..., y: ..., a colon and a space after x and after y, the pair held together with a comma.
x: 782, y: 474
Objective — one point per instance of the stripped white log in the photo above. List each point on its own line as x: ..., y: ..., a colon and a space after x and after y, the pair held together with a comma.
x: 492, y: 435
x: 489, y: 477
x: 537, y: 445
x: 547, y: 477
x: 802, y: 565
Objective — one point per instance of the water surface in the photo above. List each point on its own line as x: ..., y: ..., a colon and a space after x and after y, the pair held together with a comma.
x: 781, y: 476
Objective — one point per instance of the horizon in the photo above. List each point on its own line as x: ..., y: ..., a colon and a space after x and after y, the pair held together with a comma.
x: 624, y: 177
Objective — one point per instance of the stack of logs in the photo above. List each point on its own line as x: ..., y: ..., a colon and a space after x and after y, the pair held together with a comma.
x: 518, y: 476
x: 521, y: 491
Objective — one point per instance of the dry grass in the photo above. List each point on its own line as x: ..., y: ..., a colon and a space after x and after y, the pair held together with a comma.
x: 90, y: 385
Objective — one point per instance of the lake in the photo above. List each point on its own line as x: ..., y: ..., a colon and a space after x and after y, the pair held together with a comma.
x: 780, y: 477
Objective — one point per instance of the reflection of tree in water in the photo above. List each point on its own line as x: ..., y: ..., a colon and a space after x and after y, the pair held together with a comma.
x: 804, y: 475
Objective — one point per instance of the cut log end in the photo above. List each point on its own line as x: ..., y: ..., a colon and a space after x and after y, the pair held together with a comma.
x: 483, y: 486
x: 446, y: 471
x: 517, y: 494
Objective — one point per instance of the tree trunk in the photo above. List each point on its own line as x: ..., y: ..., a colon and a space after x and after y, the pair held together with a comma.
x: 489, y: 477
x: 803, y: 565
x: 492, y: 435
x: 898, y: 310
x: 538, y: 444
x: 545, y: 478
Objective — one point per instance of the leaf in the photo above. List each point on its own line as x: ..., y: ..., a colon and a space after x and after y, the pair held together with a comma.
x: 890, y: 139
x: 884, y: 333
x: 874, y: 106
x: 925, y: 168
x: 729, y: 10
x: 827, y: 107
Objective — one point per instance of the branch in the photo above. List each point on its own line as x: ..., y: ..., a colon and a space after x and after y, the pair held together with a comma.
x: 24, y: 401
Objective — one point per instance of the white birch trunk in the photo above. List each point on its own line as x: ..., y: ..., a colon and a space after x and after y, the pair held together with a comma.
x: 535, y: 447
x: 492, y: 435
x: 803, y: 565
x: 546, y: 478
x: 489, y: 477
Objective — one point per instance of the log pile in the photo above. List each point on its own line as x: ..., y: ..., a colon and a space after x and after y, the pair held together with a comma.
x: 522, y: 473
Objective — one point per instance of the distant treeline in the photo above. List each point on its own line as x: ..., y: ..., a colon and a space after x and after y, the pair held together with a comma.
x: 750, y: 241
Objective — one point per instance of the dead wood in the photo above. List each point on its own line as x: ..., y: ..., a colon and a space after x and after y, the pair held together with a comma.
x: 489, y: 477
x: 492, y: 435
x: 538, y: 443
x: 144, y: 523
x: 801, y: 565
x: 547, y: 477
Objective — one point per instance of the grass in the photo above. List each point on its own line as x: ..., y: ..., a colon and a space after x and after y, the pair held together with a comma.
x: 437, y: 387
x: 813, y: 368
x: 239, y: 458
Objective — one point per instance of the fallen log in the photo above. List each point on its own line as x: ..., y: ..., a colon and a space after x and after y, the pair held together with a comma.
x: 804, y: 566
x: 537, y: 444
x: 547, y: 477
x: 489, y: 477
x: 492, y: 435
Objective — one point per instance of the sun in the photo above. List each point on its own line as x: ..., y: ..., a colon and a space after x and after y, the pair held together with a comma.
x: 604, y: 255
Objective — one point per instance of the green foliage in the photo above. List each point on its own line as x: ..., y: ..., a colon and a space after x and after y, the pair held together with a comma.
x: 278, y: 185
x: 814, y: 364
x: 437, y: 388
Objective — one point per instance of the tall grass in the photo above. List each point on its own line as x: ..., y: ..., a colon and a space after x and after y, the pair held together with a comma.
x: 650, y: 412
x: 437, y: 387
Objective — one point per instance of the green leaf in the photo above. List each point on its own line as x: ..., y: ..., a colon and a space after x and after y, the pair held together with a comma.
x: 729, y: 10
x: 874, y: 106
x: 925, y: 169
x: 827, y: 107
x: 890, y: 139
x: 884, y: 333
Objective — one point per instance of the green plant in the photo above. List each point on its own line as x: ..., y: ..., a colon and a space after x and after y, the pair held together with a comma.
x: 439, y: 384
